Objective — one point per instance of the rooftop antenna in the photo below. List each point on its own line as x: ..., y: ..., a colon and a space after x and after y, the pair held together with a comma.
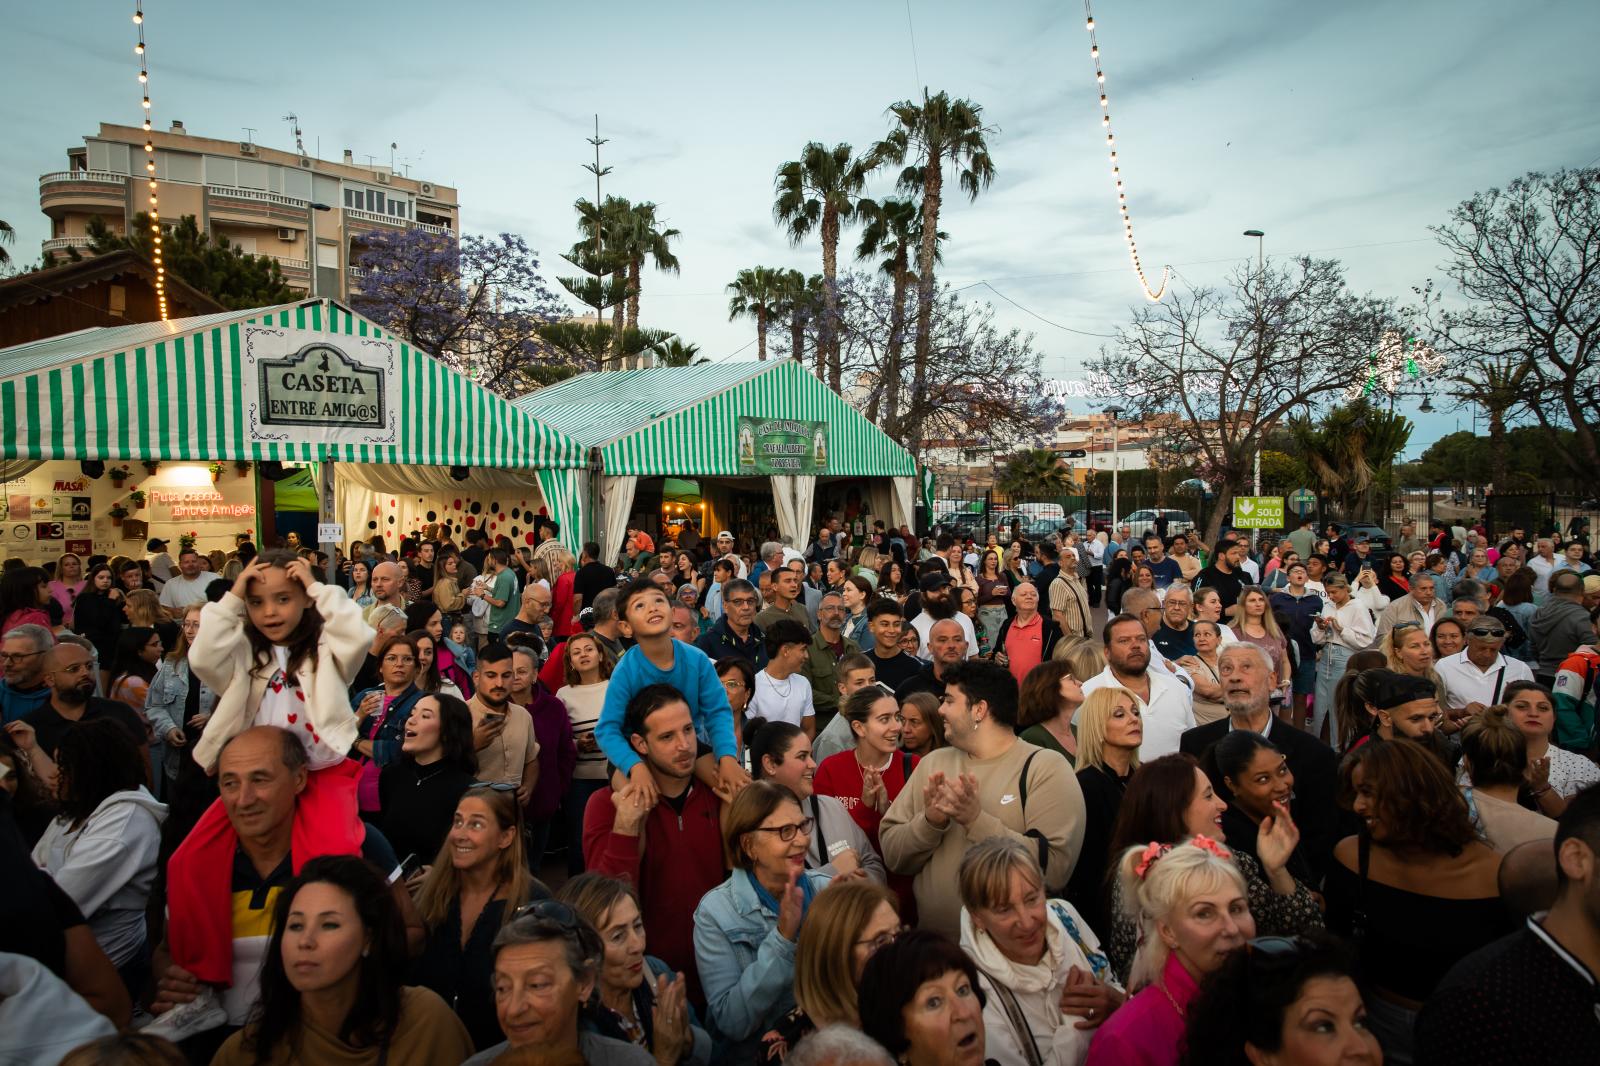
x: 249, y: 134
x: 294, y: 124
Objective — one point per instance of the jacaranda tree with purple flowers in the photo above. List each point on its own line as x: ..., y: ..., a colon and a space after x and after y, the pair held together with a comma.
x: 476, y: 305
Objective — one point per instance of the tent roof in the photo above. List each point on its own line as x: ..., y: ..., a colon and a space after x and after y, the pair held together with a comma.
x: 176, y: 390
x: 683, y: 420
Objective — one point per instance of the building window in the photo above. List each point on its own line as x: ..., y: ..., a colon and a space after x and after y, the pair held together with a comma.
x: 352, y: 199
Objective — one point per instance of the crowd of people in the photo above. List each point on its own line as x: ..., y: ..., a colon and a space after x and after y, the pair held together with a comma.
x: 1091, y: 799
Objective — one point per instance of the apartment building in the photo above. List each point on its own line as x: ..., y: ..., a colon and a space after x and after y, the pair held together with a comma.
x: 291, y: 207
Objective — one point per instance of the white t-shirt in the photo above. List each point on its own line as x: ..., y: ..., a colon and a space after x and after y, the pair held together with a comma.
x: 182, y: 592
x: 1467, y: 684
x: 788, y: 700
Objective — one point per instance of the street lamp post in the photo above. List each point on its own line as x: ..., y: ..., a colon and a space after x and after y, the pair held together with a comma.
x: 1116, y: 462
x: 311, y: 237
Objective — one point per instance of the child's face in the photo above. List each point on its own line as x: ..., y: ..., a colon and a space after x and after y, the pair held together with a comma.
x: 793, y: 655
x: 910, y: 641
x: 275, y: 603
x: 649, y: 614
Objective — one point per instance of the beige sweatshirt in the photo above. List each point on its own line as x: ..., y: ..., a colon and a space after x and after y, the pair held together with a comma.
x: 914, y: 845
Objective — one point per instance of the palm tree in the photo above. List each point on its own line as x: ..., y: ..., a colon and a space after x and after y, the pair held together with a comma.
x: 756, y: 292
x: 1035, y: 473
x: 640, y: 236
x: 1496, y: 385
x: 936, y: 133
x: 674, y: 352
x: 818, y: 192
x: 799, y: 301
x: 7, y: 236
x: 1347, y: 449
x: 892, y: 229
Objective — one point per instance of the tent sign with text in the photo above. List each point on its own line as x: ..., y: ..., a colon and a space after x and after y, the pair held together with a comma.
x: 782, y: 446
x: 320, y: 387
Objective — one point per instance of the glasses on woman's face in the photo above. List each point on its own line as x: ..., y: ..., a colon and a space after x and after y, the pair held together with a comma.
x: 786, y: 833
x: 399, y: 660
x: 883, y: 939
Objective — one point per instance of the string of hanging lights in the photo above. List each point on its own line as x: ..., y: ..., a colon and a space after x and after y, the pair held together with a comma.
x: 1116, y: 166
x: 150, y: 162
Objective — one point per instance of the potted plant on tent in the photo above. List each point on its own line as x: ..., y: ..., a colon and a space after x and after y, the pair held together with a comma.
x: 216, y: 472
x: 151, y: 466
x: 118, y: 513
x: 243, y: 466
x: 186, y: 540
x: 136, y: 497
x: 118, y: 474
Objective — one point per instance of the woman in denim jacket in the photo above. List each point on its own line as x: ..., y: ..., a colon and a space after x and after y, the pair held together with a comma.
x: 172, y: 714
x: 745, y: 929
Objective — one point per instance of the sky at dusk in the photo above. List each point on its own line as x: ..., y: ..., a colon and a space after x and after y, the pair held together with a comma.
x: 1340, y: 129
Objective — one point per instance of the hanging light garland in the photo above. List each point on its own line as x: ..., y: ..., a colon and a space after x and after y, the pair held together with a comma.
x: 1116, y: 166
x: 1399, y: 360
x: 150, y: 162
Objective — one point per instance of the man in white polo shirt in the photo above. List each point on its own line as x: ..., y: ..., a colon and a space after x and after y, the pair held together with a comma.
x: 1165, y: 703
x: 187, y: 587
x: 1476, y: 677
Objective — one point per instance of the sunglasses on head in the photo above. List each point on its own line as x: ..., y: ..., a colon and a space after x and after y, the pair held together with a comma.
x: 550, y: 910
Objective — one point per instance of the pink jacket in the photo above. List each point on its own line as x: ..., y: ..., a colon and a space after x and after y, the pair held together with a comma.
x: 1147, y: 1030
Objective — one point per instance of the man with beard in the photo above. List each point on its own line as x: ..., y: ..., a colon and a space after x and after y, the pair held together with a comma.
x: 1223, y: 574
x: 1166, y: 705
x: 1247, y: 677
x: 69, y: 671
x: 679, y: 858
x: 937, y: 605
x: 502, y: 731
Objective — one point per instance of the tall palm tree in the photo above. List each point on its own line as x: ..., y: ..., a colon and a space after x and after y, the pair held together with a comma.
x: 640, y: 236
x: 756, y: 291
x: 931, y: 135
x: 7, y: 236
x: 818, y: 192
x: 892, y: 228
x: 800, y: 302
x: 1033, y: 474
x: 1496, y: 385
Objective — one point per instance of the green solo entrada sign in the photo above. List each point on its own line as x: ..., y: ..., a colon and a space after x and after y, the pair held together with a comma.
x: 782, y: 446
x: 1258, y: 512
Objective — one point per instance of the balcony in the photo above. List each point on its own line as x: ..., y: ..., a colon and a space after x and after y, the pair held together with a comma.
x: 228, y: 192
x: 82, y: 192
x: 428, y: 227
x: 61, y: 244
x: 373, y: 218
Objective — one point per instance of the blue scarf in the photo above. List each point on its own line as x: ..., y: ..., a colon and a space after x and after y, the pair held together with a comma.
x: 807, y: 890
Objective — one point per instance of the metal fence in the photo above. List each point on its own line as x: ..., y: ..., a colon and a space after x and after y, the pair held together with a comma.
x: 980, y: 513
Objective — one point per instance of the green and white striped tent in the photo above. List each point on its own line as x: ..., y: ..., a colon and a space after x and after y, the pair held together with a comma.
x: 684, y: 422
x: 393, y: 419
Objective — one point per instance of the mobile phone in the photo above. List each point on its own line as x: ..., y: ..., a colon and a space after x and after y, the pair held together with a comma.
x: 408, y: 864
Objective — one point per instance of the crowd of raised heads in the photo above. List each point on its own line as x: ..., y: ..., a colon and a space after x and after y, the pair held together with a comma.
x: 1100, y: 797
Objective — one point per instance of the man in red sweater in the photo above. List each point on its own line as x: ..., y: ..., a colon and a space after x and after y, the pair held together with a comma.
x: 671, y: 853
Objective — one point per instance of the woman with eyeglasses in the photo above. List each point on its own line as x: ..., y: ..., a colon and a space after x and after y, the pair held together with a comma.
x: 1555, y: 774
x: 745, y: 929
x: 382, y: 711
x: 546, y: 965
x: 476, y: 883
x: 177, y: 701
x: 848, y: 923
x: 781, y: 753
x: 1283, y: 1001
x: 637, y: 997
x: 332, y: 987
x: 1049, y: 986
x: 1415, y: 889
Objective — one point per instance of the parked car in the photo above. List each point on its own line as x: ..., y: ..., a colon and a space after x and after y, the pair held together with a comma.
x: 1094, y: 521
x: 1141, y: 522
x: 1377, y: 536
x: 1041, y: 528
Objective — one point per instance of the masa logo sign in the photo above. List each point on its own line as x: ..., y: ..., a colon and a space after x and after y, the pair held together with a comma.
x: 319, y: 385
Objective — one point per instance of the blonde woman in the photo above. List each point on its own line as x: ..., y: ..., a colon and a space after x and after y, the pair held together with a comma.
x: 1109, y: 734
x: 66, y: 585
x: 143, y: 608
x: 868, y: 564
x: 848, y: 921
x: 1192, y: 910
x: 1048, y: 984
x: 1408, y: 650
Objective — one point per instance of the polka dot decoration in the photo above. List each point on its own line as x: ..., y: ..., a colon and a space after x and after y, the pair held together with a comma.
x: 476, y: 508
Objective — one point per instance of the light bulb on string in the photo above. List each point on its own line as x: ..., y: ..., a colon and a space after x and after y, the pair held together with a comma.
x: 138, y: 17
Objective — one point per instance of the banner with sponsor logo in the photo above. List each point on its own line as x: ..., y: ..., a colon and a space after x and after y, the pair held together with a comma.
x: 782, y: 446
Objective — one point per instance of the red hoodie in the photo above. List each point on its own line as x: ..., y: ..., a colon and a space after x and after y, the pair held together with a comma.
x: 681, y: 861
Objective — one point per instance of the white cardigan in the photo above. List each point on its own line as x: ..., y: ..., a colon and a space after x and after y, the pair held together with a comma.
x: 221, y: 657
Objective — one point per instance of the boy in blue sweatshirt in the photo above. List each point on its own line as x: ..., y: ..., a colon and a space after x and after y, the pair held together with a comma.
x: 645, y: 614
